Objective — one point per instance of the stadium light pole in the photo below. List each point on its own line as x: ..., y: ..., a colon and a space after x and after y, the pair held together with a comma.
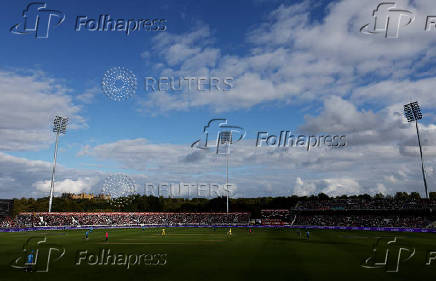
x: 225, y: 138
x: 227, y: 182
x: 59, y: 127
x: 412, y: 111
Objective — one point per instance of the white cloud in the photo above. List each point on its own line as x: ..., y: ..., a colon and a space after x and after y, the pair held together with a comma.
x: 294, y: 58
x: 397, y: 92
x: 28, y: 104
x: 20, y: 177
x: 66, y: 185
x: 361, y: 81
x: 330, y: 186
x: 388, y: 126
x: 379, y: 188
x: 355, y: 169
x: 304, y: 189
x: 340, y: 186
x: 88, y: 95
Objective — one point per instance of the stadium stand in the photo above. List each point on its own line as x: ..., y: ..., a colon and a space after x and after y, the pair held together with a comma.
x: 6, y: 207
x: 365, y: 204
x: 128, y: 219
x: 362, y: 220
x: 275, y: 217
x: 358, y: 212
x: 348, y: 212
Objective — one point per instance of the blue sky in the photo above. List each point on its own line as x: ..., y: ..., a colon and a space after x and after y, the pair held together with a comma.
x: 302, y: 66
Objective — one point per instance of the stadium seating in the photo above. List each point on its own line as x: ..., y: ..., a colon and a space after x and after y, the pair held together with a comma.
x: 103, y: 219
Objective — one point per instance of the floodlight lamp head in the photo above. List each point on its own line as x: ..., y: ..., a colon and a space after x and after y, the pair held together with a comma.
x: 60, y: 125
x: 412, y: 111
x: 225, y: 137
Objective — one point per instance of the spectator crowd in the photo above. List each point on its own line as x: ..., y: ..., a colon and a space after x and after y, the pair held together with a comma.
x: 95, y: 219
x: 362, y: 220
x: 360, y: 212
x: 364, y: 204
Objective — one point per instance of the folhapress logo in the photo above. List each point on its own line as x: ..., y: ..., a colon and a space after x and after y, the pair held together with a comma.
x: 388, y: 20
x: 38, y: 19
x: 219, y: 134
x: 37, y: 255
x: 388, y: 254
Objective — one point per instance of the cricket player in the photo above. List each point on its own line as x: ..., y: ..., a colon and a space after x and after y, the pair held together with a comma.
x: 29, y: 262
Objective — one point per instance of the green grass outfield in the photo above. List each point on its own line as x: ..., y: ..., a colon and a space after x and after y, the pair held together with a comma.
x: 206, y: 254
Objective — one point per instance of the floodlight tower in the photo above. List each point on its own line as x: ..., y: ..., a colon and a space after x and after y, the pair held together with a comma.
x: 59, y: 127
x: 225, y: 138
x: 413, y: 113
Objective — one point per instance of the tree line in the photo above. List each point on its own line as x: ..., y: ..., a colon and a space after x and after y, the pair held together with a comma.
x: 138, y: 203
